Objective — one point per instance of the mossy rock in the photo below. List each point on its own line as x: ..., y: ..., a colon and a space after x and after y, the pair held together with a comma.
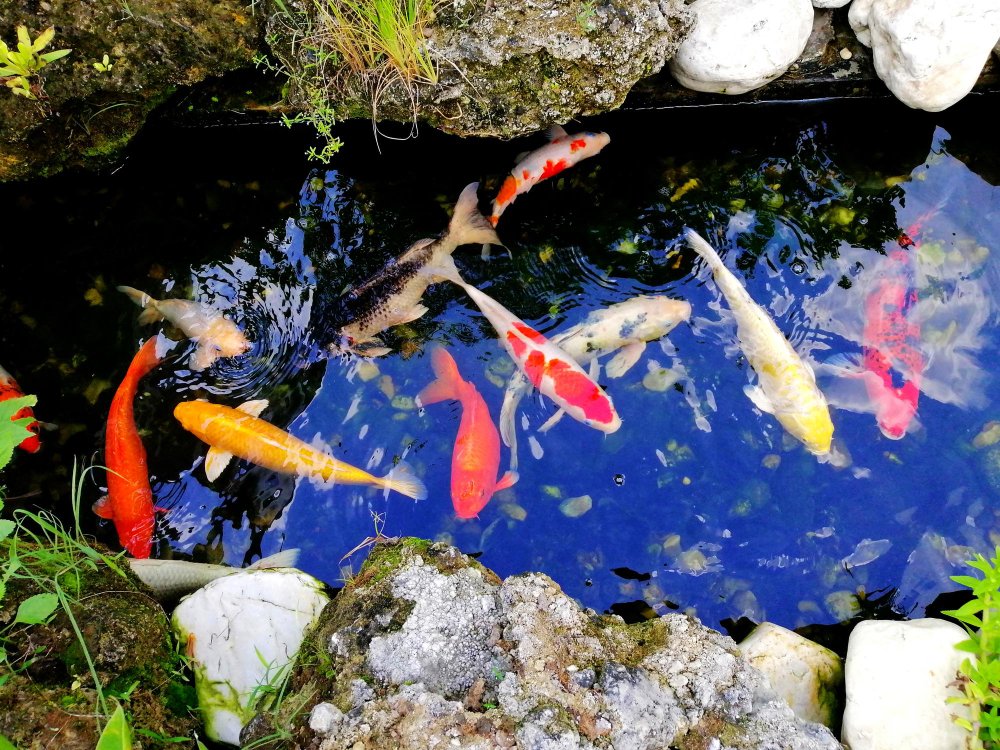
x: 51, y: 699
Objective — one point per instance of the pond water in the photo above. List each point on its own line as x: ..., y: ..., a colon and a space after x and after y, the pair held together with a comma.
x: 700, y: 501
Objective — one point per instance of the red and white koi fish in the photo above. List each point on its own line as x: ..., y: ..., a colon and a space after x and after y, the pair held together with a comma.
x: 216, y: 335
x: 561, y: 152
x: 550, y: 369
x: 892, y: 362
x: 10, y: 389
x: 240, y: 432
x: 392, y: 296
x: 129, y: 502
x: 623, y: 328
x: 476, y: 457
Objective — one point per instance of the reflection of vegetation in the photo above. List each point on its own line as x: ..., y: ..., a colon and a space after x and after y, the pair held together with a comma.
x: 979, y: 677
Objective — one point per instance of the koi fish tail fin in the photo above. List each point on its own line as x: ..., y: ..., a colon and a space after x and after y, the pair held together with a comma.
x: 150, y: 313
x: 405, y: 482
x: 287, y: 558
x: 445, y: 387
x: 468, y: 226
x: 705, y: 250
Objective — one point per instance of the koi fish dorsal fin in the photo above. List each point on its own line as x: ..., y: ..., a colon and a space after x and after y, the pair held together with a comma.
x: 253, y: 408
x: 555, y: 132
x: 216, y: 461
x: 287, y: 558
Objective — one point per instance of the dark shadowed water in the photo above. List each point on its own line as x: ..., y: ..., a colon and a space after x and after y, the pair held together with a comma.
x: 700, y: 501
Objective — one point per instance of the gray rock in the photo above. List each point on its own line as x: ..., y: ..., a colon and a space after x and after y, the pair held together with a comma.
x: 453, y: 657
x: 508, y: 67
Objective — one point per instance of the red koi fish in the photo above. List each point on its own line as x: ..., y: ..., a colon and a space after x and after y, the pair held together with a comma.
x: 129, y: 502
x: 10, y: 389
x: 476, y: 458
x: 892, y: 344
x: 562, y: 151
x: 548, y: 368
x: 891, y: 363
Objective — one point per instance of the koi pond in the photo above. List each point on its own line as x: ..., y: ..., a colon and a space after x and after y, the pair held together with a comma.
x: 700, y: 501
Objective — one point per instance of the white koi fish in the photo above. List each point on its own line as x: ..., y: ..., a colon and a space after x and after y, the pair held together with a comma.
x: 551, y: 370
x: 215, y: 335
x: 172, y: 579
x: 392, y: 296
x: 561, y: 152
x: 624, y: 328
x: 786, y: 385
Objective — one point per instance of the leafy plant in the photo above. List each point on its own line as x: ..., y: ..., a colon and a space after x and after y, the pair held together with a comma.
x: 104, y: 66
x: 117, y: 734
x: 21, y: 68
x: 13, y: 431
x: 979, y: 675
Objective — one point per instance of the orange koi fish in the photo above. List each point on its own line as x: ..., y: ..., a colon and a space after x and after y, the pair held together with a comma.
x: 561, y: 152
x: 10, y: 389
x: 240, y: 432
x: 550, y: 369
x: 476, y: 457
x: 129, y: 502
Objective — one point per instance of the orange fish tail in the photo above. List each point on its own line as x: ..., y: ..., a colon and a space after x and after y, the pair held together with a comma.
x: 445, y: 388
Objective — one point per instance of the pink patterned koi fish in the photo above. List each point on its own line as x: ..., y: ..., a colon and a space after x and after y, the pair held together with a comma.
x: 476, y: 457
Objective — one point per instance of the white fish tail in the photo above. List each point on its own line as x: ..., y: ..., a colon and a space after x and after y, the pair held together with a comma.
x: 705, y: 250
x: 468, y: 226
x: 150, y: 313
x: 405, y: 482
x: 287, y: 558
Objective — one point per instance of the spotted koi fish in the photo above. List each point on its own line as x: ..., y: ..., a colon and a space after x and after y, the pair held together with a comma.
x: 561, y: 152
x: 392, y: 296
x: 786, y: 385
x: 547, y: 367
x: 129, y: 502
x: 476, y: 457
x: 891, y: 363
x: 10, y: 389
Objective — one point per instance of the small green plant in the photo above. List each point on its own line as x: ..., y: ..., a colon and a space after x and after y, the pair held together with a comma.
x: 104, y: 66
x: 979, y: 675
x: 586, y: 15
x: 20, y: 69
x: 13, y: 431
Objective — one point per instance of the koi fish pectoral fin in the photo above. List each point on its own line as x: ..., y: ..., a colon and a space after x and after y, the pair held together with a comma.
x: 509, y: 479
x: 254, y: 408
x: 756, y: 395
x: 552, y: 421
x: 216, y: 461
x: 414, y: 313
x: 102, y: 508
x: 625, y: 359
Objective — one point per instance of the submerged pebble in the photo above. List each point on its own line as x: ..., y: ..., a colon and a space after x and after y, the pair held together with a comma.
x: 367, y: 370
x: 574, y: 507
x: 989, y: 435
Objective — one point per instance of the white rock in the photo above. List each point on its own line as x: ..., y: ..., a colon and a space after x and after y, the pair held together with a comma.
x: 241, y: 632
x: 857, y: 16
x: 830, y: 3
x: 740, y: 45
x: 807, y: 675
x: 930, y: 53
x: 325, y: 718
x: 898, y: 677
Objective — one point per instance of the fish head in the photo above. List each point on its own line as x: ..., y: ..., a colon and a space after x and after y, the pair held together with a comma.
x: 658, y: 316
x: 895, y: 409
x: 593, y: 143
x: 227, y: 338
x: 812, y: 427
x: 469, y: 496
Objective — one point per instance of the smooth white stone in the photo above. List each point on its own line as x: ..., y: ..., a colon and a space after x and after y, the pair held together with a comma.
x: 899, y: 676
x: 241, y: 632
x: 740, y: 45
x: 857, y: 16
x: 830, y: 3
x: 808, y: 676
x: 930, y: 53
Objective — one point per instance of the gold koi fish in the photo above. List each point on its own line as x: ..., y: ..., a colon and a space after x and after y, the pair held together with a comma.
x: 786, y: 385
x: 240, y: 432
